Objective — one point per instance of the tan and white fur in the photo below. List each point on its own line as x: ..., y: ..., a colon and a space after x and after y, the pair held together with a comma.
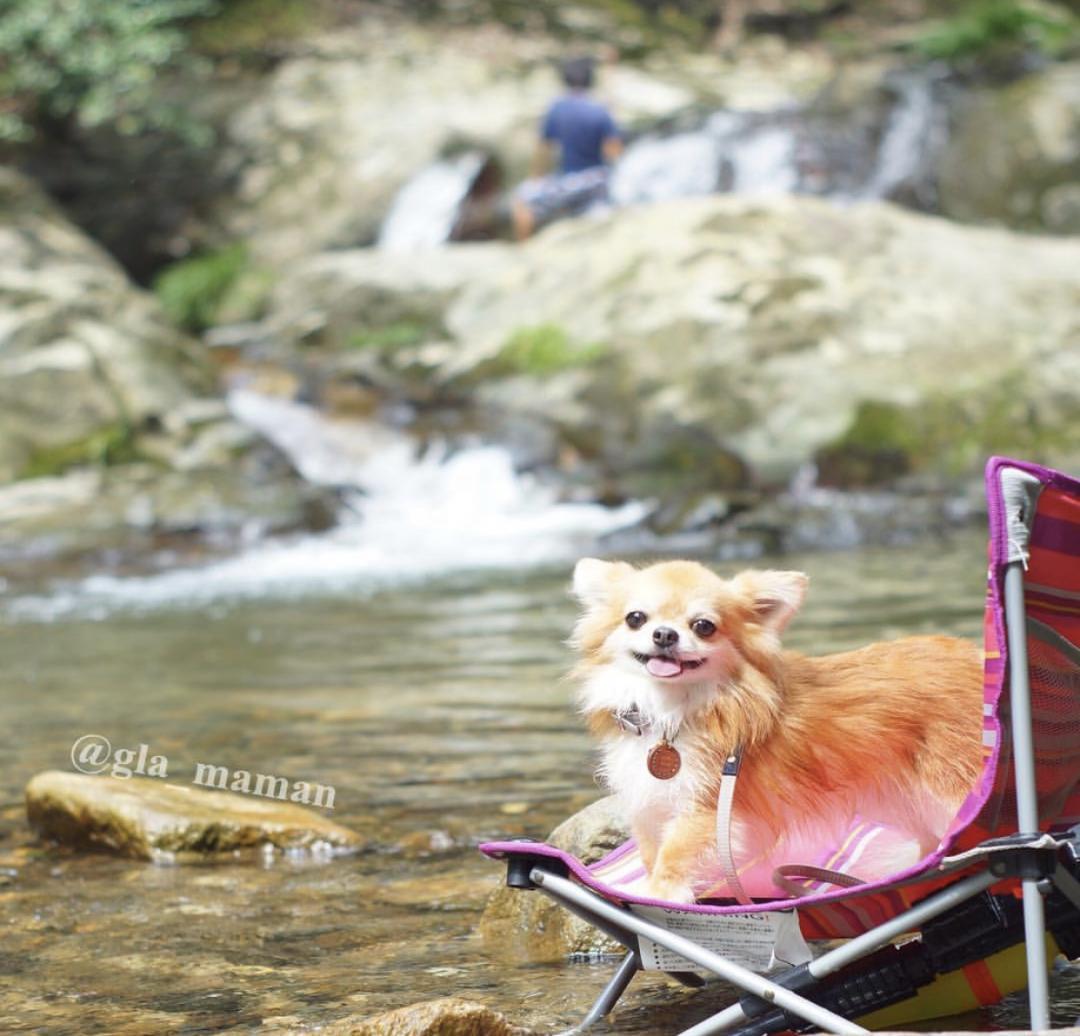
x: 891, y: 731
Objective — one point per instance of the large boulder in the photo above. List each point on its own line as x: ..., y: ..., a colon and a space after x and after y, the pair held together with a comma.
x: 87, y: 361
x: 143, y: 817
x: 111, y: 427
x: 1013, y: 156
x: 720, y: 341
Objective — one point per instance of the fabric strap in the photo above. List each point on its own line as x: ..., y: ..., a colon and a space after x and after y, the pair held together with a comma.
x: 723, y: 826
x: 787, y: 877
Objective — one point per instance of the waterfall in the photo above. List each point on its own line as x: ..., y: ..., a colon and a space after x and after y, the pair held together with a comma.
x: 426, y: 209
x: 658, y: 168
x: 914, y: 135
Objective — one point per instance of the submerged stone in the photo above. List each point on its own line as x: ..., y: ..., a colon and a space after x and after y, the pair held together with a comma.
x: 449, y: 1016
x: 141, y: 818
x: 536, y: 928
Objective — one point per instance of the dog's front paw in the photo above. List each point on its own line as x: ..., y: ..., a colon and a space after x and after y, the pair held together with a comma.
x: 670, y: 890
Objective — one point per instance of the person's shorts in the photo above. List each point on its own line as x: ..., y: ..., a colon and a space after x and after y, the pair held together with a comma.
x: 566, y: 194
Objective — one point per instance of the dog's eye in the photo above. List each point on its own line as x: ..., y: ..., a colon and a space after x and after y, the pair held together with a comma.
x: 703, y: 627
x: 635, y: 620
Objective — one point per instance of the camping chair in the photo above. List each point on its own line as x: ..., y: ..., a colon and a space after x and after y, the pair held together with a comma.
x: 965, y: 925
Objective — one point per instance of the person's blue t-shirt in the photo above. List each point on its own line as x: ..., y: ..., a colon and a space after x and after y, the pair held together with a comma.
x: 579, y: 126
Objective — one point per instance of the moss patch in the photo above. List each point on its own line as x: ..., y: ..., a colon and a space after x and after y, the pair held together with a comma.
x: 541, y: 351
x: 388, y: 337
x: 193, y: 290
x: 113, y: 444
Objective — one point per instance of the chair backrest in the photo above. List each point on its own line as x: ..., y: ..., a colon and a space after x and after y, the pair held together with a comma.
x: 1034, y: 521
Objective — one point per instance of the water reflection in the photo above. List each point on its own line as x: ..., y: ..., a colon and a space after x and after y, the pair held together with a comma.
x: 440, y: 718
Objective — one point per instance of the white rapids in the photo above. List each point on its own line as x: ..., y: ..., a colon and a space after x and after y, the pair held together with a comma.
x: 407, y: 518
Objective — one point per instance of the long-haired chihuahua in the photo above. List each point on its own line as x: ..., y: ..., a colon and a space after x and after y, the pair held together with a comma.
x: 681, y: 670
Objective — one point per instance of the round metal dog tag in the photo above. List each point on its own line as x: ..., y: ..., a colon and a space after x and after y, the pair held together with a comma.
x: 663, y: 761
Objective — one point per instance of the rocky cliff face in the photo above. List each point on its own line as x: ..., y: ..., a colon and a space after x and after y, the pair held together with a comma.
x: 320, y: 152
x: 711, y: 346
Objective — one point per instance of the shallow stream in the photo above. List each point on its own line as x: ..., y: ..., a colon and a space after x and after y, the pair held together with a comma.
x: 437, y: 715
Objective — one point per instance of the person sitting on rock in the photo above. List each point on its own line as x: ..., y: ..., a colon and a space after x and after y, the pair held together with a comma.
x: 587, y: 141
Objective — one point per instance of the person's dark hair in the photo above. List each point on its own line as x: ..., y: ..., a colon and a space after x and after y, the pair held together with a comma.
x: 577, y: 73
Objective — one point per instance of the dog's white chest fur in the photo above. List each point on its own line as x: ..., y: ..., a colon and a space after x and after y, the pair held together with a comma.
x: 648, y: 799
x: 659, y: 713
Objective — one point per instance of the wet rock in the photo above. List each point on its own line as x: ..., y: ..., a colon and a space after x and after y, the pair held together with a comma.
x: 592, y: 832
x: 122, y: 513
x: 143, y: 817
x: 446, y: 1017
x: 533, y: 927
x: 830, y: 519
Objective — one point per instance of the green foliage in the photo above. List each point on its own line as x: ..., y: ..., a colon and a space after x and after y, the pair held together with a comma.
x: 113, y: 444
x: 544, y: 349
x: 397, y: 335
x: 91, y: 63
x: 192, y: 290
x: 984, y: 26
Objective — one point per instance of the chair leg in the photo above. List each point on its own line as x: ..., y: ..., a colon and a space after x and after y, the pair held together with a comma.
x: 630, y: 966
x: 1027, y: 804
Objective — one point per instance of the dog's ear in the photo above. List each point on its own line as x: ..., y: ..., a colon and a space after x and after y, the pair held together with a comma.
x: 777, y: 596
x: 594, y: 579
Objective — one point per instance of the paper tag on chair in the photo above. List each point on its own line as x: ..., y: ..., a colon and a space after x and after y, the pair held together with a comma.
x: 759, y: 942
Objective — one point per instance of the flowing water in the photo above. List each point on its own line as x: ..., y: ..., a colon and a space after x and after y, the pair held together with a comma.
x: 436, y: 712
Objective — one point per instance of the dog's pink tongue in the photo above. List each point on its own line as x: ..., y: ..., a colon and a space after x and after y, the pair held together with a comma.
x: 659, y: 666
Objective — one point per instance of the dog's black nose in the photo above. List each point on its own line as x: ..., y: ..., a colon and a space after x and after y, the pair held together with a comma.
x: 664, y: 636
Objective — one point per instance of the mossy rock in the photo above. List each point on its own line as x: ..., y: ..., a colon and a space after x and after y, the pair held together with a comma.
x: 1015, y: 152
x: 879, y: 446
x: 669, y: 457
x: 113, y: 444
x: 948, y: 435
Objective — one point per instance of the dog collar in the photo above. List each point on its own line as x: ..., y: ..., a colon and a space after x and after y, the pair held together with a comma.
x: 632, y: 721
